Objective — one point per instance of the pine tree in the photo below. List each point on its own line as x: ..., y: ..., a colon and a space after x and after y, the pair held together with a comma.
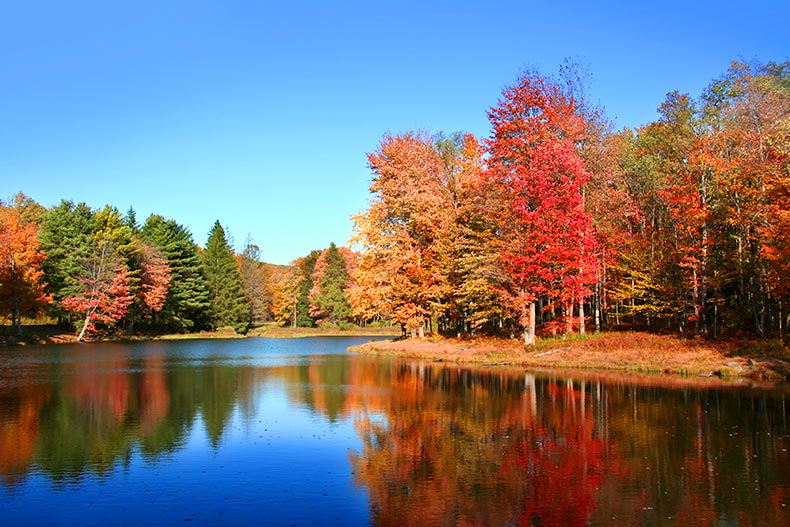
x: 329, y: 300
x: 303, y: 277
x: 229, y: 304
x: 188, y: 298
x: 66, y: 234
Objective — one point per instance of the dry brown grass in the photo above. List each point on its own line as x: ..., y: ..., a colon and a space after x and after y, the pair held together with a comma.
x: 627, y: 351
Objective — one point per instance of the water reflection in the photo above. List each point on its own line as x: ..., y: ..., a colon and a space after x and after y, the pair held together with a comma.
x: 456, y: 447
x: 435, y: 445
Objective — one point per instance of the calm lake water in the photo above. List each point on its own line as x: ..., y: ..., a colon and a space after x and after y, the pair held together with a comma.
x: 300, y: 432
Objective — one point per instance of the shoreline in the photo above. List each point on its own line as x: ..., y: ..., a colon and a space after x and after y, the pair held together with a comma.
x: 623, y: 352
x: 629, y: 352
x: 51, y: 335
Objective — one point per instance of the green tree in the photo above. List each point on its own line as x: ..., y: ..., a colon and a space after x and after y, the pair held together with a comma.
x: 329, y: 300
x: 66, y: 235
x: 188, y: 297
x: 229, y: 304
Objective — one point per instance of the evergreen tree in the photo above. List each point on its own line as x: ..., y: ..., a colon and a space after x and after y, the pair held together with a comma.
x: 188, y: 298
x: 305, y: 267
x: 66, y: 235
x: 229, y: 304
x: 329, y: 300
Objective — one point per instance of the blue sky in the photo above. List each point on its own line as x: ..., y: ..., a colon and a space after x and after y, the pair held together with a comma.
x: 259, y: 113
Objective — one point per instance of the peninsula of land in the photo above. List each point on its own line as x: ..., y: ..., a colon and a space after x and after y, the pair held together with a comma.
x: 623, y: 351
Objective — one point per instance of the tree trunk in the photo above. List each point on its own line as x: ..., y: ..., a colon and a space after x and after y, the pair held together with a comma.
x: 597, y: 308
x: 17, y: 318
x: 753, y: 303
x: 703, y: 286
x: 529, y: 328
x: 84, y: 325
x: 581, y: 314
x: 695, y: 294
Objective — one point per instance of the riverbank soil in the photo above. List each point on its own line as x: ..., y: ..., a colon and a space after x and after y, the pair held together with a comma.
x: 626, y: 351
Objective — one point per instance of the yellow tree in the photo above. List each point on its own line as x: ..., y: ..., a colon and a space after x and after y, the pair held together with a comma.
x: 398, y: 268
x: 414, y: 260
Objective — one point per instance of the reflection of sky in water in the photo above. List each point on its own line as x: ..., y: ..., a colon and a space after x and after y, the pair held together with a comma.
x: 276, y: 462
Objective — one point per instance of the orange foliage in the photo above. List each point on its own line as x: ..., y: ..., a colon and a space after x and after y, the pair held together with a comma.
x: 19, y: 432
x: 21, y: 277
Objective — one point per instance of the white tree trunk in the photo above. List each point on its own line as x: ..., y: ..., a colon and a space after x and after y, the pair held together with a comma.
x: 529, y: 328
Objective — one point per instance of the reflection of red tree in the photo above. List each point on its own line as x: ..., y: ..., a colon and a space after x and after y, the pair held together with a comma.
x: 101, y: 387
x: 154, y: 395
x: 464, y: 448
x: 561, y: 463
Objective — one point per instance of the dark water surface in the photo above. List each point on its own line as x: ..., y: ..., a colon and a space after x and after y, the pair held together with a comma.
x: 299, y: 432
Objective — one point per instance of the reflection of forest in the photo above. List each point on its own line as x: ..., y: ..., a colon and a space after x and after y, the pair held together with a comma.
x: 441, y: 444
x: 95, y: 411
x: 460, y: 447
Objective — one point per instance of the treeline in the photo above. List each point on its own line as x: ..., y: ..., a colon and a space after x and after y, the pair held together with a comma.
x: 557, y: 221
x: 101, y: 271
x: 553, y: 223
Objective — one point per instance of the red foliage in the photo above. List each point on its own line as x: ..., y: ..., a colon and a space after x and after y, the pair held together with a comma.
x: 106, y: 299
x: 550, y: 247
x: 154, y: 279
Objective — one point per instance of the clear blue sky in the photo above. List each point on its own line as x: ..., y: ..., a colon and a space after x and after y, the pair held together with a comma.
x: 259, y: 113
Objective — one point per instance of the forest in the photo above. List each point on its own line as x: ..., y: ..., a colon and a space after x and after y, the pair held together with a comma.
x: 555, y: 223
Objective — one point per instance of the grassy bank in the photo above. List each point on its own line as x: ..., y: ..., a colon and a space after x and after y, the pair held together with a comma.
x: 623, y: 351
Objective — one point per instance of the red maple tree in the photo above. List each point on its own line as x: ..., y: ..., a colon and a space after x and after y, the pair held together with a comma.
x: 106, y: 294
x: 549, y: 248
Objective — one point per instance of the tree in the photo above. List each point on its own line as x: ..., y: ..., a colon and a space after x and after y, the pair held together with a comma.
x: 329, y: 302
x: 188, y: 297
x: 296, y: 289
x: 155, y: 277
x: 747, y: 111
x: 533, y: 159
x: 105, y: 295
x: 400, y: 267
x: 286, y: 297
x: 66, y: 234
x: 21, y: 277
x: 229, y: 304
x: 255, y: 279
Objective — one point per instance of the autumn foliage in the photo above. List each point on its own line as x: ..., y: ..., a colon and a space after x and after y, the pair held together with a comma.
x: 21, y: 277
x: 105, y: 295
x: 561, y: 222
x: 554, y: 223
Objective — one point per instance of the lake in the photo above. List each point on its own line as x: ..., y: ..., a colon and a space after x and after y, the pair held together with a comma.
x: 300, y: 432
